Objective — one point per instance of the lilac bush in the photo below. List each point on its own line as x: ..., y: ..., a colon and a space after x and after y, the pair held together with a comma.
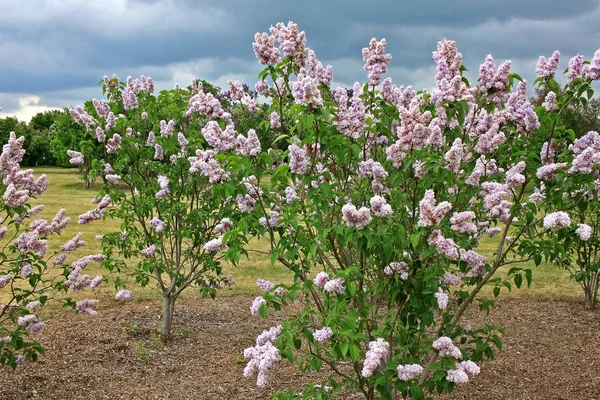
x: 174, y: 165
x: 378, y: 207
x: 567, y: 184
x: 30, y: 274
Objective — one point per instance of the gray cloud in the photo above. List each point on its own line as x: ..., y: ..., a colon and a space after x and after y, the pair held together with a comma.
x: 58, y: 51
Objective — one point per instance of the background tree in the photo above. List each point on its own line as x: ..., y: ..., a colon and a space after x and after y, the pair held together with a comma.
x: 66, y: 134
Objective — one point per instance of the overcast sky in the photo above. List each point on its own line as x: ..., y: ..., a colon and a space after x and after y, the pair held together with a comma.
x: 54, y: 52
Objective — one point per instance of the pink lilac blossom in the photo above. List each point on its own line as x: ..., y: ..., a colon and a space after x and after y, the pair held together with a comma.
x: 559, y: 219
x: 379, y: 207
x: 76, y: 157
x: 550, y: 101
x: 220, y: 140
x: 96, y: 281
x: 150, y: 250
x: 457, y: 376
x: 445, y: 346
x: 30, y: 242
x: 273, y: 220
x: 33, y: 305
x: 399, y: 96
x: 469, y: 367
x: 100, y: 135
x: 409, y: 371
x: 593, y: 69
x: 356, y: 218
x: 270, y: 335
x: 457, y: 155
x: 376, y: 60
x: 59, y: 259
x: 151, y: 140
x: 290, y: 195
x: 351, y: 116
x: 163, y: 183
x: 205, y: 104
x: 306, y: 92
x: 275, y: 121
x: 376, y: 355
x: 86, y: 306
x: 335, y: 285
x: 372, y: 169
x: 538, y: 194
x: 430, y: 213
x: 298, y: 160
x: 130, y: 100
x: 442, y: 299
x: 167, y: 128
x: 236, y: 90
x: 183, y: 142
x: 58, y: 222
x: 589, y: 140
x: 250, y: 146
x: 323, y: 334
x: 157, y: 224
x: 246, y: 203
x: 292, y: 41
x: 443, y: 245
x: 584, y: 232
x: 494, y: 202
x: 450, y: 279
x: 547, y: 68
x: 215, y: 244
x: 111, y: 121
x: 256, y: 304
x: 123, y: 294
x: 26, y: 270
x: 549, y: 171
x: 520, y: 111
x: 4, y: 279
x: 321, y: 279
x: 113, y: 144
x: 113, y: 178
x: 396, y: 267
x: 261, y: 359
x: 224, y: 225
x: 494, y: 80
x: 490, y: 140
x: 514, y: 176
x: 585, y: 161
x: 158, y: 152
x: 262, y: 88
x: 575, y: 68
x: 82, y: 117
x: 463, y: 222
x: 265, y: 285
x: 472, y: 258
x: 31, y: 323
x: 208, y: 166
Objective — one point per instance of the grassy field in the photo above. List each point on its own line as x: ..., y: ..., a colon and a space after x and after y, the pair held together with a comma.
x: 66, y: 191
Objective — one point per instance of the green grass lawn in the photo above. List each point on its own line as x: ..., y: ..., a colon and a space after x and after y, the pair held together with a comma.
x: 66, y: 191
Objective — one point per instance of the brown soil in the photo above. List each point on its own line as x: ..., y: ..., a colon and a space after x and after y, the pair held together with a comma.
x: 551, y: 351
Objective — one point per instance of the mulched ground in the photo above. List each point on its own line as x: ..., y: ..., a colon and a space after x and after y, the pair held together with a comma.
x: 551, y: 352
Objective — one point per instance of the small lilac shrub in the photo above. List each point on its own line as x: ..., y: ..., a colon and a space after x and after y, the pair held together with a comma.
x: 174, y: 167
x: 30, y: 275
x: 567, y: 184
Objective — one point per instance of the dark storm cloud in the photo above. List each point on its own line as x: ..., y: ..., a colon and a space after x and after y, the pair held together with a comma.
x: 50, y: 48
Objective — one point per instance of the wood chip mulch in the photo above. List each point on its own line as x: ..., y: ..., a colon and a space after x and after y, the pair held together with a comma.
x: 551, y: 352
